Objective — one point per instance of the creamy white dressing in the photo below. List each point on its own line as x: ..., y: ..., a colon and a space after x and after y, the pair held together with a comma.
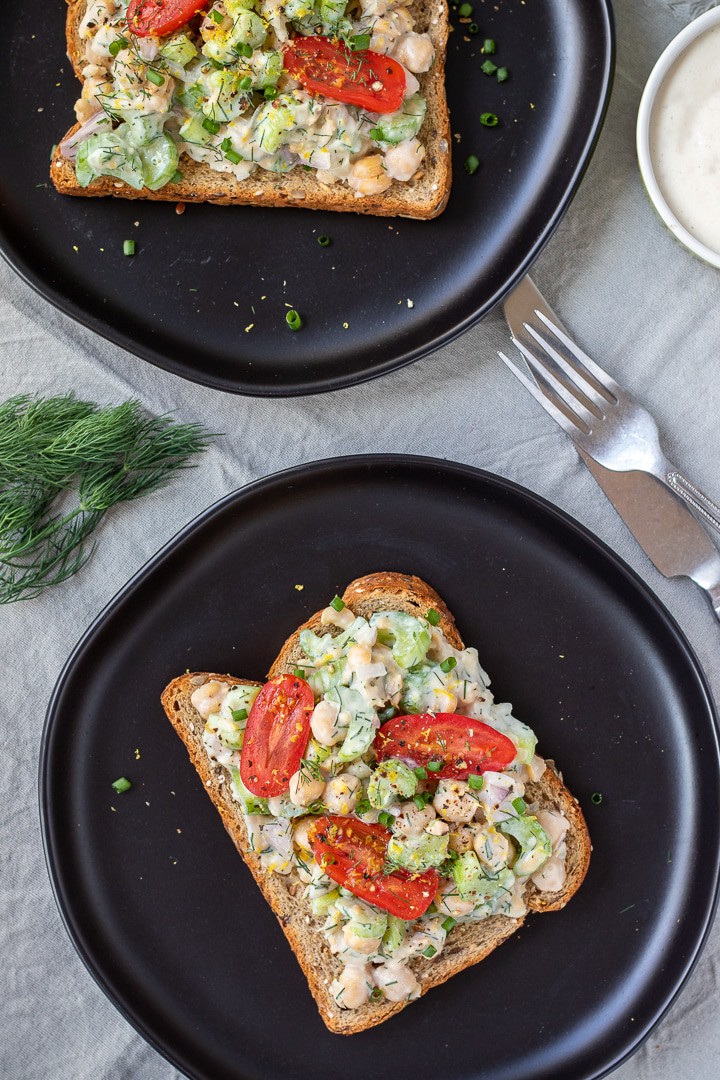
x: 355, y: 676
x: 685, y: 138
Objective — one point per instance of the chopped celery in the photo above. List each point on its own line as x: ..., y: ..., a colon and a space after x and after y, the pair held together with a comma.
x: 535, y: 845
x: 417, y: 853
x: 391, y: 780
x: 394, y: 128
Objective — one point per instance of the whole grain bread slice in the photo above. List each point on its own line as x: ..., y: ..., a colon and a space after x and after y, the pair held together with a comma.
x: 466, y: 944
x: 423, y: 197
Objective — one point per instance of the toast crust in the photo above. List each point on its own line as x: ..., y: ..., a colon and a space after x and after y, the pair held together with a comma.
x: 422, y: 198
x: 466, y: 944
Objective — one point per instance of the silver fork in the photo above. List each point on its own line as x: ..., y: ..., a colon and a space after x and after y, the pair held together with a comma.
x: 601, y: 418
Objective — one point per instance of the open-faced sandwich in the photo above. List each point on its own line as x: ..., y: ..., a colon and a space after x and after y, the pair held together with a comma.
x: 397, y: 819
x: 326, y: 104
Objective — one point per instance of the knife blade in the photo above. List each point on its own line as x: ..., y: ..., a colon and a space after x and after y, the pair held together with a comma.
x: 662, y: 523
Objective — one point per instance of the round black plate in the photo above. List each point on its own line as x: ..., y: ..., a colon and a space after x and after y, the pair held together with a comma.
x: 170, y: 922
x: 199, y: 281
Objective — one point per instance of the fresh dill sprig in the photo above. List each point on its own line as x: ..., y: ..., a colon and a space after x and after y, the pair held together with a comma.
x: 58, y: 451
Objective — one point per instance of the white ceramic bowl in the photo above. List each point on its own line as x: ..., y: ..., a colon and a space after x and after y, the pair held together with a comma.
x: 657, y: 78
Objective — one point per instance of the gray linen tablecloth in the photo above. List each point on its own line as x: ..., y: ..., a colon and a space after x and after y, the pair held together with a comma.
x: 644, y: 306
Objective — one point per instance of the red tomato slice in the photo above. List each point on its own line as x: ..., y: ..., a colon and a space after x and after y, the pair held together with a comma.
x: 460, y: 744
x: 276, y: 735
x: 353, y: 853
x: 146, y: 17
x: 367, y: 79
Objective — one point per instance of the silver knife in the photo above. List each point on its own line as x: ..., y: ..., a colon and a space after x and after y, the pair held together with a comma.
x: 661, y: 522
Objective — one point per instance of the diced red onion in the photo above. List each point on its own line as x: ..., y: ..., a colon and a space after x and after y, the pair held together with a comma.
x: 68, y: 148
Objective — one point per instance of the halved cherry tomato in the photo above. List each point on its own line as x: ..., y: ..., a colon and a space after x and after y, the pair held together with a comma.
x: 367, y: 79
x: 276, y: 735
x: 146, y: 17
x: 459, y: 744
x: 353, y: 853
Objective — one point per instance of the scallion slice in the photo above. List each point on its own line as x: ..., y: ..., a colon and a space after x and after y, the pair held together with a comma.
x: 448, y: 664
x: 475, y: 782
x: 337, y: 603
x: 433, y: 616
x: 121, y: 785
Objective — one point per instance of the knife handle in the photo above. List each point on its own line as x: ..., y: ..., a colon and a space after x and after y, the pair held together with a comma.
x: 701, y: 503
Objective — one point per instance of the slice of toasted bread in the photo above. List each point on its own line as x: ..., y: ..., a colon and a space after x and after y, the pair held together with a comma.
x: 466, y: 944
x: 423, y: 197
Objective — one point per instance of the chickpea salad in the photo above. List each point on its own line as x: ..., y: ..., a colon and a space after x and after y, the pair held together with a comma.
x: 237, y: 88
x: 377, y: 814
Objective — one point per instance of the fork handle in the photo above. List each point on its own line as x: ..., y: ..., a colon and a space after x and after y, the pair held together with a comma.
x: 701, y: 503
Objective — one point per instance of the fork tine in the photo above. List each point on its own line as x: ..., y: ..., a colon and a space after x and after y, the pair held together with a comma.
x: 584, y: 364
x: 596, y: 402
x: 547, y: 403
x: 549, y: 382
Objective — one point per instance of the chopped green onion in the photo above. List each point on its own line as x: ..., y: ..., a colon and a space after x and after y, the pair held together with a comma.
x: 433, y: 616
x: 488, y: 46
x: 176, y: 177
x: 129, y: 247
x: 473, y: 28
x: 271, y: 92
x: 234, y: 157
x: 216, y: 64
x: 121, y: 785
x: 337, y: 603
x: 299, y: 672
x: 376, y: 133
x: 472, y: 164
x: 52, y: 150
x: 465, y: 11
x: 115, y: 46
x: 420, y: 772
x: 245, y: 83
x: 475, y: 782
x: 292, y: 318
x: 155, y: 77
x: 387, y: 714
x: 502, y: 74
x: 226, y: 145
x: 434, y: 766
x: 448, y: 924
x: 244, y: 49
x: 519, y: 805
x: 360, y: 41
x: 448, y: 664
x: 211, y: 125
x: 422, y: 799
x: 217, y: 17
x: 324, y: 241
x: 489, y: 119
x: 431, y: 950
x: 376, y: 994
x: 363, y: 807
x: 596, y: 797
x: 488, y: 67
x: 239, y: 715
x: 386, y: 819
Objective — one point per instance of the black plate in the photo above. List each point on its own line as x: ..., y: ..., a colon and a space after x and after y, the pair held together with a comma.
x: 171, y: 924
x: 174, y: 303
